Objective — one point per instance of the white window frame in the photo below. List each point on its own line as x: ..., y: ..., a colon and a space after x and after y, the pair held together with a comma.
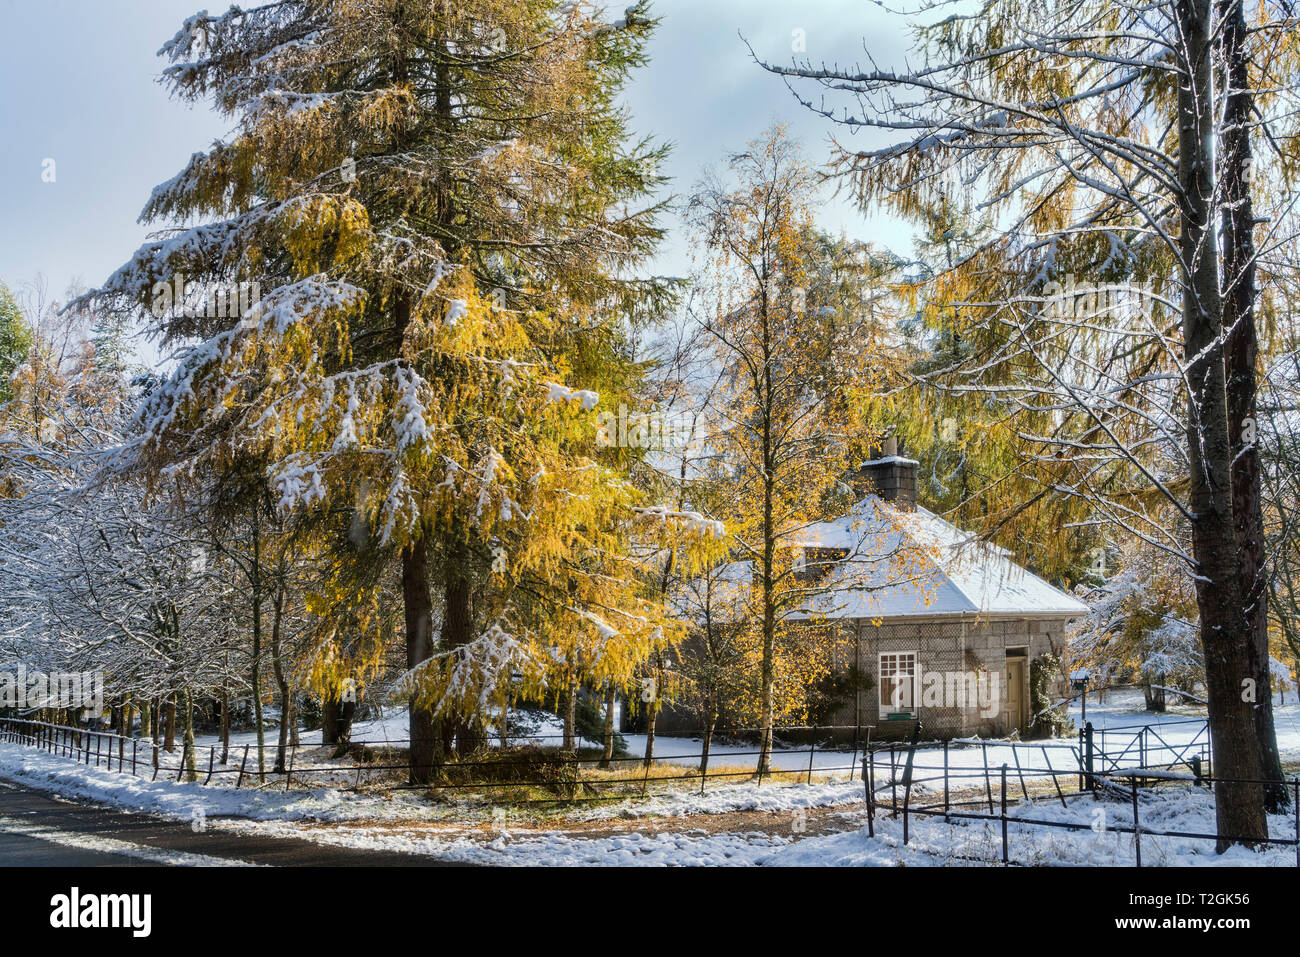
x: 887, y: 704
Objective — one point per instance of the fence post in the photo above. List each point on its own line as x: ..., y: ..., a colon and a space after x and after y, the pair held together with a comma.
x: 1079, y: 754
x: 907, y: 777
x: 812, y: 750
x: 1087, y: 754
x: 1005, y: 855
x: 945, y: 779
x: 212, y: 757
x: 1137, y: 830
x: 988, y: 785
x: 1142, y: 749
x: 134, y: 744
x: 242, y: 765
x: 185, y: 750
x: 893, y: 782
x: 869, y: 775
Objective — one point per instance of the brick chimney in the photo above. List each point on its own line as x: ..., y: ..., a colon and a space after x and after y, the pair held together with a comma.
x: 888, y: 475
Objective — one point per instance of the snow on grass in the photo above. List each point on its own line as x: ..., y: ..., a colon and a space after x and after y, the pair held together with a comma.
x: 169, y: 798
x: 934, y: 842
x: 554, y: 849
x: 750, y: 796
x: 931, y: 841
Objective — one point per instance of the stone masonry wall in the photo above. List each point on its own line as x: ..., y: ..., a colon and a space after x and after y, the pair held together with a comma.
x: 938, y: 644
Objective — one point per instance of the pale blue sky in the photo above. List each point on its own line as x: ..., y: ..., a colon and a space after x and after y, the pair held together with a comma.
x: 77, y: 85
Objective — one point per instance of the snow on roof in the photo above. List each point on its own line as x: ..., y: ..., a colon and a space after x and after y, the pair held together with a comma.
x: 889, y: 460
x: 903, y: 564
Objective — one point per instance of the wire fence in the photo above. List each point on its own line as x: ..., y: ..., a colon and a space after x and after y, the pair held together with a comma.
x: 498, y: 768
x: 900, y: 785
x: 950, y: 779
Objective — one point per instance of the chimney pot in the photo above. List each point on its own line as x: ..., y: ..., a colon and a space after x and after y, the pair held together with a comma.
x: 888, y: 475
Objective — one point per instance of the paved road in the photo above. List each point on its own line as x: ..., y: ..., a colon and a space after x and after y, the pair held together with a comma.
x: 38, y: 830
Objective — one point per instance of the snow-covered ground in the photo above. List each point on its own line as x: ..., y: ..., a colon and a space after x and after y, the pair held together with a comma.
x: 931, y: 841
x: 404, y: 821
x: 168, y: 798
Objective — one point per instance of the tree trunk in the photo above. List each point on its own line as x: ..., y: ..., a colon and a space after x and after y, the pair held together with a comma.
x: 336, y: 722
x: 710, y: 720
x: 331, y: 714
x: 146, y: 719
x: 607, y: 755
x: 651, y: 720
x: 767, y: 714
x: 346, y: 714
x: 187, y: 713
x: 1155, y: 694
x: 282, y: 683
x: 1239, y: 806
x: 1239, y: 285
x: 426, y: 737
x: 169, y: 718
x: 255, y: 583
x: 225, y: 725
x: 458, y: 630
x: 570, y: 709
x: 767, y: 703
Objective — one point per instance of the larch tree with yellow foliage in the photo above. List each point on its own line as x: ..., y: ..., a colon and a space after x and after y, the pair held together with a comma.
x: 1122, y: 178
x: 799, y: 365
x: 440, y: 207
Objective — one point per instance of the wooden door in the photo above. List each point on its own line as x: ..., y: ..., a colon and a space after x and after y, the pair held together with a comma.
x: 1017, y: 706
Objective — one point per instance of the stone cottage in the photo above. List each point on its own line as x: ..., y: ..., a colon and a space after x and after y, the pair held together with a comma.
x: 944, y: 628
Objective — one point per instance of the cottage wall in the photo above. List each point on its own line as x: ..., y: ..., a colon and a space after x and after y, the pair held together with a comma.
x: 944, y: 645
x: 976, y: 648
